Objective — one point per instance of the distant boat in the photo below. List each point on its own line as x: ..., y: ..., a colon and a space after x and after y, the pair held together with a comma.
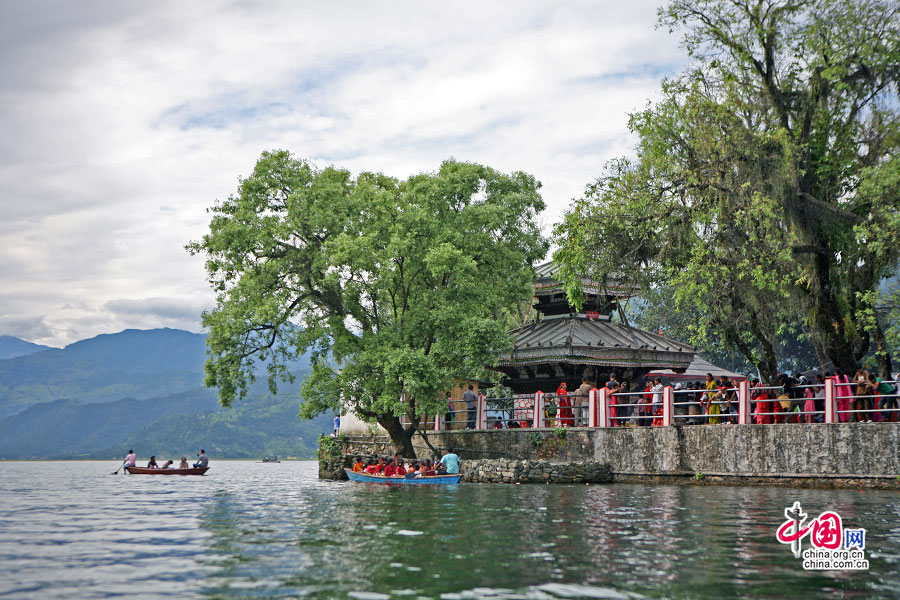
x: 146, y: 471
x: 271, y: 459
x: 428, y: 480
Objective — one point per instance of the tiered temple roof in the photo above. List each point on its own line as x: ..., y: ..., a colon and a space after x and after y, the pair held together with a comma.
x: 564, y: 344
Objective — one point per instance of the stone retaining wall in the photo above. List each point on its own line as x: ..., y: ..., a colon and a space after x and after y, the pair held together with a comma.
x: 846, y: 451
x: 534, y: 471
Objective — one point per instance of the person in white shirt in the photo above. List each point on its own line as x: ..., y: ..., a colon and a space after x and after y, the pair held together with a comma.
x: 202, y: 460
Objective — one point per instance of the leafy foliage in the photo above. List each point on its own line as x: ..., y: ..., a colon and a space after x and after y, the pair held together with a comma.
x: 763, y: 191
x: 330, y: 446
x: 405, y: 285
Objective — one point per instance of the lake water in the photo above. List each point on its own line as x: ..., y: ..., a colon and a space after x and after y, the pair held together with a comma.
x: 254, y: 530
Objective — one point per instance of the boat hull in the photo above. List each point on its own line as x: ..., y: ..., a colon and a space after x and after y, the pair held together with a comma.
x: 146, y: 471
x: 432, y: 480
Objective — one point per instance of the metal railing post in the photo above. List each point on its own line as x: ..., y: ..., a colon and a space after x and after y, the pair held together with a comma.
x: 598, y: 408
x: 592, y: 408
x: 481, y: 412
x: 668, y: 406
x: 744, y: 413
x: 537, y: 421
x: 831, y: 414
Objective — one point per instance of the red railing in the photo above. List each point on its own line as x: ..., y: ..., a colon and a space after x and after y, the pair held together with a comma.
x: 739, y: 405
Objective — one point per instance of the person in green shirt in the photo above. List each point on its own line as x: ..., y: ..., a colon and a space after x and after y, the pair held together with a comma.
x: 888, y: 398
x: 451, y: 461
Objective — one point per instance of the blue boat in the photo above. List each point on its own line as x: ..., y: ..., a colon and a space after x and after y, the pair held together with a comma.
x: 428, y: 480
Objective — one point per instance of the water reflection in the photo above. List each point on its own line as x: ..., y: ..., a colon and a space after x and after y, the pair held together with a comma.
x: 252, y: 530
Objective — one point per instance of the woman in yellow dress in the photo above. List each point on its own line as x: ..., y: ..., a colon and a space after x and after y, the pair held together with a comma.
x: 713, y: 396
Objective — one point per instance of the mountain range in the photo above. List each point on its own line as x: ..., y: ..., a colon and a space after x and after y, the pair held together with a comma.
x: 11, y: 347
x: 97, y: 398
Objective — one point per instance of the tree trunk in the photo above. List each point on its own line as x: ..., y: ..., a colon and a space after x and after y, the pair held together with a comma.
x: 830, y: 325
x: 400, y: 437
x: 885, y: 368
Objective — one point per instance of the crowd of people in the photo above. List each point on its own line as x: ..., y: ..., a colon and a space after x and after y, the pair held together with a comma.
x: 400, y: 467
x: 864, y: 397
x: 202, y: 461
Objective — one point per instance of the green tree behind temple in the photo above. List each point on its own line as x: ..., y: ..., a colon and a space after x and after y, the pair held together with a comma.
x: 764, y: 189
x: 397, y: 287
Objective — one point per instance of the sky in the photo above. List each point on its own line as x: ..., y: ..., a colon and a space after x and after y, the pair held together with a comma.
x: 123, y: 122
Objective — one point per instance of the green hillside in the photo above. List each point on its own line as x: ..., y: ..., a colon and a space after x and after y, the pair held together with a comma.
x: 164, y: 426
x: 132, y: 363
x: 261, y: 426
x: 65, y: 428
x: 143, y: 390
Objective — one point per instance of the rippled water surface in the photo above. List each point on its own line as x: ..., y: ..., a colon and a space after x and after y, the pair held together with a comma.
x: 254, y: 530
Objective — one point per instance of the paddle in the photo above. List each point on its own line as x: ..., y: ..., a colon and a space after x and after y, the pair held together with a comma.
x: 116, y: 472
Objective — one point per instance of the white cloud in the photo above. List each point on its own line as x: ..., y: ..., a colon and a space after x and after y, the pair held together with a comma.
x: 124, y: 121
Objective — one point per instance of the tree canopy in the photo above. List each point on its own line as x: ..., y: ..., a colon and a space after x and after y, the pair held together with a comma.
x: 396, y: 287
x: 764, y: 185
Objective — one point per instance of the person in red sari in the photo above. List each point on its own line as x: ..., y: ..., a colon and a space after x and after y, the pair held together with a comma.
x: 565, y: 410
x: 763, y: 404
x: 613, y: 386
x: 844, y: 395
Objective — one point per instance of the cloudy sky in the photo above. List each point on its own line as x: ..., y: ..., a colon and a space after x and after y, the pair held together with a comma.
x: 124, y: 121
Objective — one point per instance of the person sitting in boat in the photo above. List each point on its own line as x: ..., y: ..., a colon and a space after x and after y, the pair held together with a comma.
x: 202, y: 460
x: 428, y: 468
x: 130, y: 460
x: 168, y: 464
x: 400, y: 471
x: 151, y: 464
x: 184, y: 463
x: 451, y: 461
x: 358, y: 465
x: 371, y: 467
x: 389, y: 469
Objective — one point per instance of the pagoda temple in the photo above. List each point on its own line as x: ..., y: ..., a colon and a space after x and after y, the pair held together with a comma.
x: 563, y: 344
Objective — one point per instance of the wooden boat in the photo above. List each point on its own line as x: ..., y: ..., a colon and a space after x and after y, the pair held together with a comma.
x: 146, y: 471
x: 271, y: 459
x: 430, y: 480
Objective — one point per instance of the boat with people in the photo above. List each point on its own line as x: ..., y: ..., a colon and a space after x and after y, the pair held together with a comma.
x: 269, y: 458
x: 152, y: 471
x: 447, y: 479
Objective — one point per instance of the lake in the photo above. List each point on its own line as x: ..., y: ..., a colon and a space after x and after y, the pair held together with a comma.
x: 255, y: 530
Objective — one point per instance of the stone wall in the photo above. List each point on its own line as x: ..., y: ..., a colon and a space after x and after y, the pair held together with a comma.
x: 505, y: 470
x: 818, y: 450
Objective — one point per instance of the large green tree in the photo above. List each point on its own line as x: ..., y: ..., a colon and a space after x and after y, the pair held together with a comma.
x: 754, y: 190
x: 397, y: 287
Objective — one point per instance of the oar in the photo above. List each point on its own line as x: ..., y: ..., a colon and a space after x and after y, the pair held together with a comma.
x: 116, y: 472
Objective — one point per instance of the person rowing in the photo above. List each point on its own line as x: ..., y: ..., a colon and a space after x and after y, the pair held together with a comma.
x: 130, y: 461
